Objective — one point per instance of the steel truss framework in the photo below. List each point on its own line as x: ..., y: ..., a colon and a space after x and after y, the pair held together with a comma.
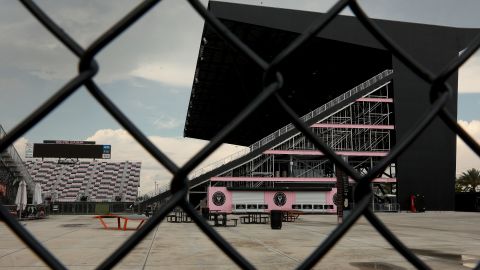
x: 362, y: 131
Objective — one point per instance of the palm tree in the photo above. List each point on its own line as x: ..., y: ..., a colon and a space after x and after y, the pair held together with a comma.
x: 468, y: 181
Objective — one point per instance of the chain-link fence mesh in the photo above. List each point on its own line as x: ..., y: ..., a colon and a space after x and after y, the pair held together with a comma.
x: 273, y: 81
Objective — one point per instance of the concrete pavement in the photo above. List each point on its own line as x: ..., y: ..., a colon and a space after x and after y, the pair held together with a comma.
x: 444, y: 240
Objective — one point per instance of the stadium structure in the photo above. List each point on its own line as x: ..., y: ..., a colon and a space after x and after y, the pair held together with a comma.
x: 68, y: 171
x: 293, y: 175
x: 12, y: 172
x: 95, y: 181
x: 354, y: 94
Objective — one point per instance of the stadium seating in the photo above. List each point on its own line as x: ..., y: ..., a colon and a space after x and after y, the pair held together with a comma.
x: 97, y: 181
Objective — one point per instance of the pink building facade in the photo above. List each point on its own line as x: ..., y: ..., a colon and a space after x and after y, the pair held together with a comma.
x: 223, y: 200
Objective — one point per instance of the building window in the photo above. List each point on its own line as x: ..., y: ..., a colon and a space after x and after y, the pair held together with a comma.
x: 240, y: 206
x: 296, y: 206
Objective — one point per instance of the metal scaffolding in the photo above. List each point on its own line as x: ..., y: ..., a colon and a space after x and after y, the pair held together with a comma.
x: 364, y: 131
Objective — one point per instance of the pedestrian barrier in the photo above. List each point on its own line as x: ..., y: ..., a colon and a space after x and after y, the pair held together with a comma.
x: 273, y: 82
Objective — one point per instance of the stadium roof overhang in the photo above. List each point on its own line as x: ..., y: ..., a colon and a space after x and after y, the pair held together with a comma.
x: 343, y: 55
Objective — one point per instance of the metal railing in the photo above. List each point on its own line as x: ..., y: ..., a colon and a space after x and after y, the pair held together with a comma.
x: 273, y: 82
x: 322, y: 108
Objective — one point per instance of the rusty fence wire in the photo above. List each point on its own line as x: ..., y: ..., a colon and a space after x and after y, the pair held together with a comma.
x: 273, y: 81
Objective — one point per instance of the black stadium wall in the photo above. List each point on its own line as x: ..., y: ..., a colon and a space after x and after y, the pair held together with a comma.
x: 343, y: 55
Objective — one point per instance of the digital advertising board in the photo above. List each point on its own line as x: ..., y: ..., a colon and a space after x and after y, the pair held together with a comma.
x: 69, y: 149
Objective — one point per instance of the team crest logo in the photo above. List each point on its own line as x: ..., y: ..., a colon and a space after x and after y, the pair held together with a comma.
x: 280, y: 199
x: 218, y: 198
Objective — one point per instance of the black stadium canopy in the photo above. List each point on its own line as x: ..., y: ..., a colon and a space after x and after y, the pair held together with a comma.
x: 342, y: 56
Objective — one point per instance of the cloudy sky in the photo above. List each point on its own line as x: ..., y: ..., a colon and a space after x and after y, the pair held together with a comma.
x: 148, y: 72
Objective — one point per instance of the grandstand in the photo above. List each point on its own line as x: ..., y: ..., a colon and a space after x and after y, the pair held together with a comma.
x: 292, y: 168
x: 71, y: 171
x: 338, y: 58
x: 66, y: 178
x: 94, y: 181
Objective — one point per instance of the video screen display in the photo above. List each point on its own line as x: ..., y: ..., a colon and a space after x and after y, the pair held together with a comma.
x: 53, y: 150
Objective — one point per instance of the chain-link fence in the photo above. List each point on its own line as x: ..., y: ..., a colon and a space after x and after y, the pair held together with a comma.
x: 273, y: 81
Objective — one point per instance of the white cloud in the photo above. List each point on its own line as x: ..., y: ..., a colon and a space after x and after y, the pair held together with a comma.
x: 169, y: 33
x: 179, y: 150
x: 466, y: 158
x: 174, y: 74
x: 468, y: 76
x: 163, y: 44
x: 20, y: 145
x: 140, y: 104
x: 166, y: 122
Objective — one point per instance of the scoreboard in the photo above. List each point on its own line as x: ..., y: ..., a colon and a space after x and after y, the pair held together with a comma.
x: 69, y: 149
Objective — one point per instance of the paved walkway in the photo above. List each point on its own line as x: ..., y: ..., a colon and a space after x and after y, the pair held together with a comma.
x: 445, y: 240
